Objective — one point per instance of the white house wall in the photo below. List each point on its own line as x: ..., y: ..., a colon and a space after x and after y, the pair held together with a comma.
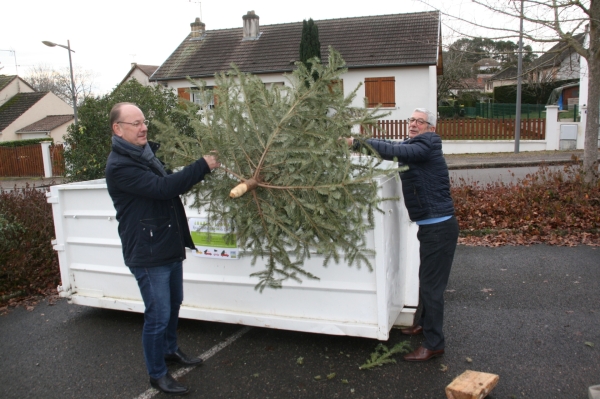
x: 50, y: 104
x: 12, y: 89
x: 569, y: 68
x: 141, y: 77
x: 415, y: 87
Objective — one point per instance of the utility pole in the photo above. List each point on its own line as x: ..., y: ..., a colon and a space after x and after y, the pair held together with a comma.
x: 519, y: 79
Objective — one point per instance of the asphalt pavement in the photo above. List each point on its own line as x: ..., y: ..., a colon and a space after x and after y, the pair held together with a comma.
x: 531, y: 315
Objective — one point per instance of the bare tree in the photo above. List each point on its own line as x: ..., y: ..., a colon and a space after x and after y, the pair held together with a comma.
x: 456, y: 69
x: 552, y: 21
x: 44, y: 78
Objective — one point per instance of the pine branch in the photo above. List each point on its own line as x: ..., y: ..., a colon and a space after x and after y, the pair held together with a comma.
x: 383, y: 355
x: 312, y: 195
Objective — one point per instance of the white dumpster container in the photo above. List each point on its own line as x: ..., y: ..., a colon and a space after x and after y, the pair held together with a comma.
x: 345, y: 301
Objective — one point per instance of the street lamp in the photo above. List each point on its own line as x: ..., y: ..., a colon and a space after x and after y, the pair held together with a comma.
x: 68, y: 47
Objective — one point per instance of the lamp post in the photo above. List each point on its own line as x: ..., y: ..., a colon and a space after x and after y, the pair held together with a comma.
x: 68, y: 47
x: 519, y: 79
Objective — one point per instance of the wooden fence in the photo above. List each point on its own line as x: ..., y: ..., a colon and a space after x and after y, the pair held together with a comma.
x: 27, y: 161
x: 466, y: 129
x: 58, y: 160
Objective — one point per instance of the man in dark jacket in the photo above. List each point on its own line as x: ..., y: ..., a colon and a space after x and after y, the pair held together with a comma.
x: 426, y: 192
x: 154, y: 232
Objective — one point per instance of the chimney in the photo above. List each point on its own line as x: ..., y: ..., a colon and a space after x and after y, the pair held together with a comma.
x: 251, y: 28
x: 197, y: 28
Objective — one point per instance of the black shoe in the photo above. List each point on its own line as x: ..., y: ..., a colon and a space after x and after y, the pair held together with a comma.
x: 168, y: 385
x: 179, y: 357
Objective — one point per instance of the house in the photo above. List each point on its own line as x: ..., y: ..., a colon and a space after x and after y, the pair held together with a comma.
x: 486, y: 66
x: 396, y: 58
x: 505, y: 77
x: 141, y: 73
x: 27, y: 114
x: 561, y: 62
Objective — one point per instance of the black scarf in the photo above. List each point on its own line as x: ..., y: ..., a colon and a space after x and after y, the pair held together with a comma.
x: 138, y: 153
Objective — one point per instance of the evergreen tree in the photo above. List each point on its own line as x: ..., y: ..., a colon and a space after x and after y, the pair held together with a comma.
x: 310, y: 194
x: 310, y: 47
x: 89, y: 142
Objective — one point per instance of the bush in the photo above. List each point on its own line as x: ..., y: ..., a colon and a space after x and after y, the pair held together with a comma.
x: 22, y: 143
x: 28, y: 263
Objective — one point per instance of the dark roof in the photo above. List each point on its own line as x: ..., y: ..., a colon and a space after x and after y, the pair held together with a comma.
x: 148, y: 70
x: 11, y: 110
x: 375, y: 41
x: 47, y: 124
x: 5, y: 80
x: 555, y: 55
x: 506, y: 73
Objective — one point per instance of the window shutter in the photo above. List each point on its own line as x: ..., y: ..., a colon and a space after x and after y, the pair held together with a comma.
x: 388, y: 92
x: 371, y: 92
x: 380, y: 91
x: 183, y: 92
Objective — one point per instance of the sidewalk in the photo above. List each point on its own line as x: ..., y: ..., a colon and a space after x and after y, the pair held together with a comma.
x: 455, y: 161
x: 510, y: 159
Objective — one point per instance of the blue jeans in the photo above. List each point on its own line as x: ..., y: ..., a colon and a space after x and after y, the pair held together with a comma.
x: 162, y: 290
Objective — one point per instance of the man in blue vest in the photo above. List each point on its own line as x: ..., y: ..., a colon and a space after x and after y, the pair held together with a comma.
x: 426, y: 192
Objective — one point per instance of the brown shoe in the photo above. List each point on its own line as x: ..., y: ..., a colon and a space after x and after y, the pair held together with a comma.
x: 422, y: 354
x: 414, y: 330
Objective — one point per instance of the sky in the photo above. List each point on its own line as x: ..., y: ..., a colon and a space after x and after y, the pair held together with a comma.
x: 108, y: 36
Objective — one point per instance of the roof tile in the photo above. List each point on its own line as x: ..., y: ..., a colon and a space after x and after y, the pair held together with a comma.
x: 375, y: 41
x: 47, y: 124
x: 11, y: 110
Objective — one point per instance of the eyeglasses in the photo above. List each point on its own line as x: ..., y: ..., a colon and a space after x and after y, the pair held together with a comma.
x: 419, y: 121
x: 137, y: 123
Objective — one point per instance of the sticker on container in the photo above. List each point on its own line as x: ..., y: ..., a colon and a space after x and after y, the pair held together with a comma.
x: 210, y: 241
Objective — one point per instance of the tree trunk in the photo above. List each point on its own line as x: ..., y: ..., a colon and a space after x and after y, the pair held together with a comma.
x: 590, y: 148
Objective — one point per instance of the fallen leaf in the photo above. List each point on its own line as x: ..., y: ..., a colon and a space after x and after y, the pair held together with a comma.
x: 590, y: 344
x: 300, y: 360
x: 331, y: 376
x: 469, y: 360
x: 443, y: 368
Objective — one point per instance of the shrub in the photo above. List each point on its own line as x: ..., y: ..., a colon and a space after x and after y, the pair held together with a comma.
x: 28, y: 263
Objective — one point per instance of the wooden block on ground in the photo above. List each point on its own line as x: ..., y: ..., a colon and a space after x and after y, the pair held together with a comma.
x: 471, y: 385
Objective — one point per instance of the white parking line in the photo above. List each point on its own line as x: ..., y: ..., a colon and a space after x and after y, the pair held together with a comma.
x: 205, y: 356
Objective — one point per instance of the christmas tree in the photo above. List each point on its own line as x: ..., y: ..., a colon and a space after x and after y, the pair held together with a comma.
x: 306, y: 192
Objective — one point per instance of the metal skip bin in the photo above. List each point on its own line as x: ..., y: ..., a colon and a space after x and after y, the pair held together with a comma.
x: 344, y: 301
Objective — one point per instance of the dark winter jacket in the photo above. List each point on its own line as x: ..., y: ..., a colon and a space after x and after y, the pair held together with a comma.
x: 426, y: 182
x: 153, y: 227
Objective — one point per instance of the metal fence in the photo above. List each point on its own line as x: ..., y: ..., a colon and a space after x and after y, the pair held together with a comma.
x: 500, y: 111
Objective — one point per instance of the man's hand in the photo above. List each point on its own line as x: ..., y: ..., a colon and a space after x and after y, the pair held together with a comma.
x: 212, y: 161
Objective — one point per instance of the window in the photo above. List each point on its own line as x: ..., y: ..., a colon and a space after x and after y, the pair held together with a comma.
x: 194, y: 95
x: 380, y: 91
x: 206, y: 99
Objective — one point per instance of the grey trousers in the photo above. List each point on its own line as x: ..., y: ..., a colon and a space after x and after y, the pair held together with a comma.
x: 438, y: 244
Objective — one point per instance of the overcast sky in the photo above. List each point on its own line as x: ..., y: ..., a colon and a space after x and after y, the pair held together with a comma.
x: 108, y: 36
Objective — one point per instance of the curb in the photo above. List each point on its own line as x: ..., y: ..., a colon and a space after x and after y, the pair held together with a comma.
x: 507, y: 164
